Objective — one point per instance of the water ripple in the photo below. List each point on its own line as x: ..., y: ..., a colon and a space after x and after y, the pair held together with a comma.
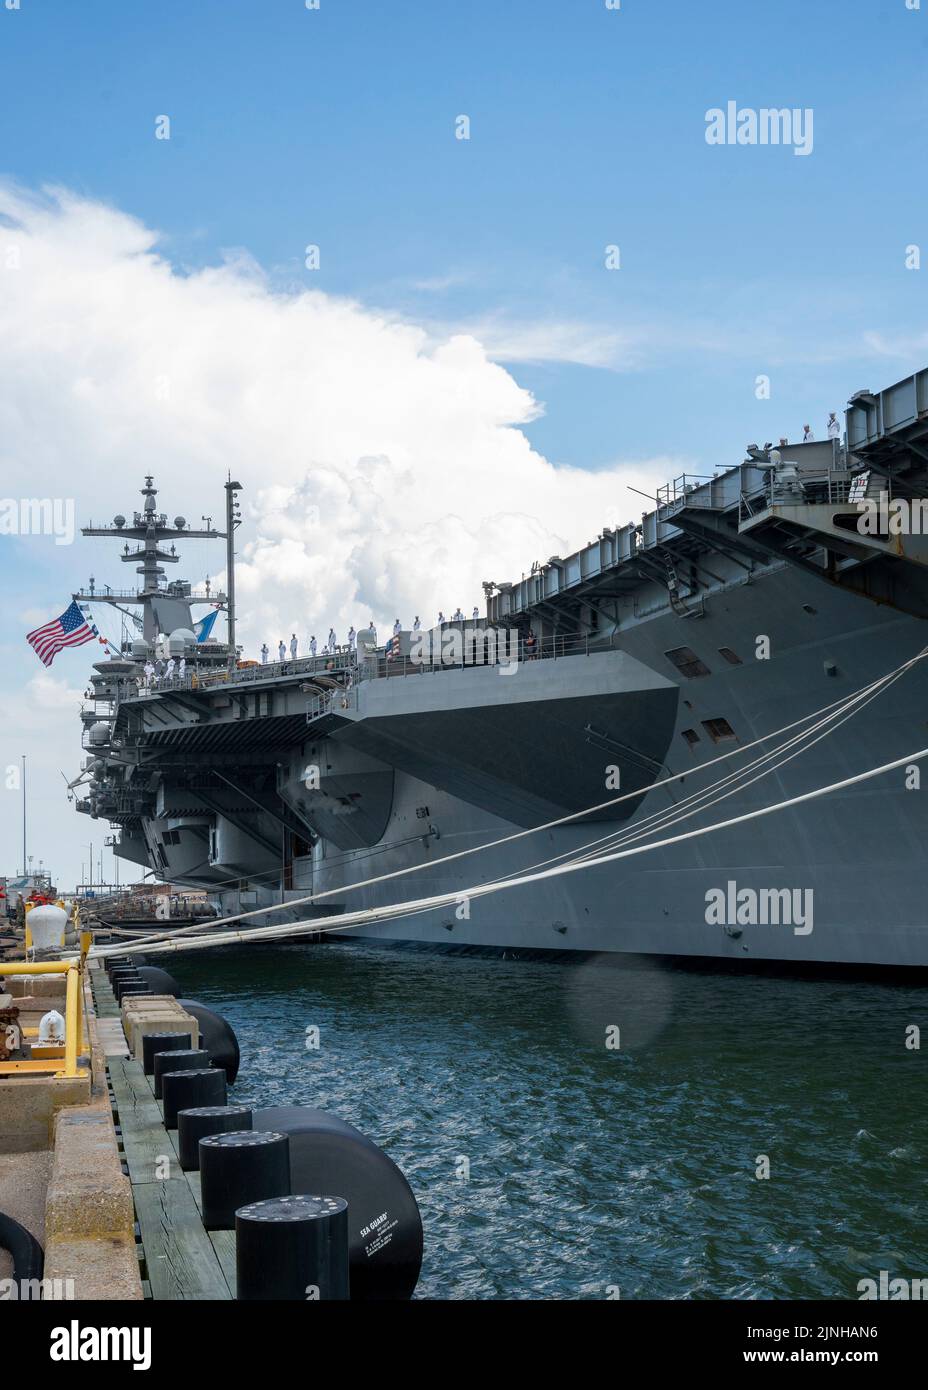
x: 594, y: 1170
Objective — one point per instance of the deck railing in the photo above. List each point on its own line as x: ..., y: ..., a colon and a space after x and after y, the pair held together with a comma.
x: 519, y: 650
x: 804, y: 488
x: 349, y: 670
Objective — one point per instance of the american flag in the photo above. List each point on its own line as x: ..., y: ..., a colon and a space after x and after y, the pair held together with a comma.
x: 70, y: 630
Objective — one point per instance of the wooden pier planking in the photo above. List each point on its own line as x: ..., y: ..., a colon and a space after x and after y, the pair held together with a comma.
x: 183, y: 1260
x: 223, y: 1242
x: 144, y: 1137
x: 104, y: 1000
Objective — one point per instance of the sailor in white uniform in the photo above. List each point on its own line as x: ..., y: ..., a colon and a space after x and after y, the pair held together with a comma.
x: 281, y: 651
x: 312, y: 646
x: 293, y: 646
x: 834, y: 427
x: 352, y: 638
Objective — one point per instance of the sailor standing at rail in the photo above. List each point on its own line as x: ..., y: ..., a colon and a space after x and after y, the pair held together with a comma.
x: 333, y: 640
x: 834, y: 428
x: 416, y: 625
x: 264, y: 654
x: 149, y: 672
x: 169, y: 670
x: 312, y: 645
x: 458, y: 615
x: 373, y: 631
x: 441, y: 617
x: 476, y: 613
x: 352, y: 638
x: 281, y: 651
x: 182, y: 668
x: 293, y: 646
x: 397, y: 629
x: 807, y: 436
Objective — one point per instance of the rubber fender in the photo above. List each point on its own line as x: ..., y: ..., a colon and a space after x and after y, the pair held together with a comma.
x: 216, y: 1036
x: 330, y: 1158
x: 161, y: 982
x: 27, y: 1253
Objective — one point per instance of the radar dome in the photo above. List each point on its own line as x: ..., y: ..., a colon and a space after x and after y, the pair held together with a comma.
x: 180, y: 640
x: 119, y: 521
x: 180, y: 522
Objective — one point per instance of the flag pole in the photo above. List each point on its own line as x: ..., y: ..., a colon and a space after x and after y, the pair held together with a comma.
x: 24, y: 815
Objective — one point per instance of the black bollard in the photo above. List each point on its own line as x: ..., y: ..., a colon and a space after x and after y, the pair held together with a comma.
x: 181, y: 1059
x: 120, y: 977
x: 292, y: 1248
x: 193, y: 1086
x: 112, y: 963
x: 162, y: 1042
x: 238, y: 1168
x: 196, y: 1122
x: 119, y: 962
x: 131, y: 987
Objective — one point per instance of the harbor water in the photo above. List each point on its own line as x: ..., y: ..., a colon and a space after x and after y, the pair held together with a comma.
x: 592, y: 1129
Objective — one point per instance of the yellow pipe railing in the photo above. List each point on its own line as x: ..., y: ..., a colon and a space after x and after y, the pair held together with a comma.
x: 39, y: 967
x: 73, y: 1017
x: 72, y: 1022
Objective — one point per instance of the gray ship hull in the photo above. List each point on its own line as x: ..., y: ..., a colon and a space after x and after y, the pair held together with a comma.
x: 860, y: 852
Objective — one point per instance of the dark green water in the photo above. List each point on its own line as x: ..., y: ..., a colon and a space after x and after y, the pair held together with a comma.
x: 590, y: 1167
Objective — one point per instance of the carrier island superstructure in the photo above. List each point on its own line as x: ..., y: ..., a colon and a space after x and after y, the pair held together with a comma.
x: 740, y: 604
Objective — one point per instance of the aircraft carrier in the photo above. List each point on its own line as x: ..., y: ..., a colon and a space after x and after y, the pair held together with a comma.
x: 645, y: 675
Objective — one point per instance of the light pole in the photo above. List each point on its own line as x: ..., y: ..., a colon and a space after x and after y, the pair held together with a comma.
x: 233, y: 521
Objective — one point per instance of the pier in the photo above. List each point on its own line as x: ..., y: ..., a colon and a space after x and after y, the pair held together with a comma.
x: 178, y: 1258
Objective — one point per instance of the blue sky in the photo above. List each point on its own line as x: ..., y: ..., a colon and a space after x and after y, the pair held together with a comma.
x: 336, y: 127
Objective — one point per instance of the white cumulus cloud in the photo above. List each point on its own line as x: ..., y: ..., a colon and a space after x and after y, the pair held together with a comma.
x: 385, y: 473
